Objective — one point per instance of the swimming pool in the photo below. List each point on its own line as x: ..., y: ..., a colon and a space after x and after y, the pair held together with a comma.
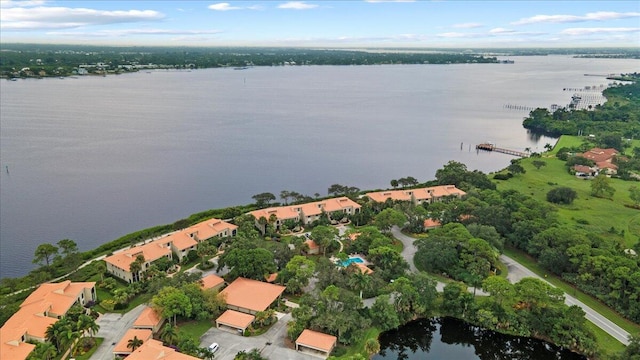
x: 351, y: 260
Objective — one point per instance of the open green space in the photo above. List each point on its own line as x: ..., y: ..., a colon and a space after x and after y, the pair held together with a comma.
x: 195, y: 329
x: 609, y: 218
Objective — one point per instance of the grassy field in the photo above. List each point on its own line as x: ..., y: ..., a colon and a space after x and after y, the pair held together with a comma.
x: 608, y: 218
x: 195, y: 329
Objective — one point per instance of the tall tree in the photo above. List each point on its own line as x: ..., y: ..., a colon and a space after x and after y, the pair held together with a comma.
x: 263, y: 199
x: 45, y: 252
x: 324, y: 236
x: 359, y: 281
x: 601, y: 187
x: 387, y: 218
x: 169, y: 334
x: 171, y: 302
x: 68, y: 247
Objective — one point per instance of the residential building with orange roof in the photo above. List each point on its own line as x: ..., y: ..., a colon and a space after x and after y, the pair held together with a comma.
x: 212, y: 281
x: 208, y: 229
x: 335, y: 208
x: 154, y: 350
x: 42, y: 308
x: 180, y: 243
x: 431, y: 224
x: 314, y: 249
x: 250, y: 296
x: 418, y: 196
x: 363, y: 268
x: 148, y: 319
x: 233, y: 320
x: 119, y: 264
x: 316, y: 342
x: 603, y: 158
x: 121, y: 348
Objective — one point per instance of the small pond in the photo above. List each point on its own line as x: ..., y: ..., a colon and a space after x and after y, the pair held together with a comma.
x: 449, y: 338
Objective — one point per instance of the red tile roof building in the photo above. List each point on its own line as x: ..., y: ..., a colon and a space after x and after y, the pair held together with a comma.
x: 316, y: 341
x: 44, y: 307
x: 250, y: 296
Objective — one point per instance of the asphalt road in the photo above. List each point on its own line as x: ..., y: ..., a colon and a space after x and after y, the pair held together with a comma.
x: 113, y: 326
x: 517, y: 272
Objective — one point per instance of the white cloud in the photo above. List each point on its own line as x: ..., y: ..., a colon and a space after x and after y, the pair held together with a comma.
x: 591, y: 31
x: 63, y: 17
x: 223, y: 7
x: 4, y: 4
x: 457, y: 35
x: 297, y: 5
x: 128, y: 32
x: 595, y: 16
x: 467, y: 25
x: 499, y: 31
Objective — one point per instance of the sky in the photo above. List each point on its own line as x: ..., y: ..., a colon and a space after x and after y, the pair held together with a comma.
x: 334, y: 24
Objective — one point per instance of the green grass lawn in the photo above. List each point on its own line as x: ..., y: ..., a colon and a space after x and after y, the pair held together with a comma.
x: 608, y: 218
x: 195, y: 329
x: 358, y: 348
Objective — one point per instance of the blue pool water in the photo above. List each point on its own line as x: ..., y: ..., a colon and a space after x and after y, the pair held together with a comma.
x: 351, y: 260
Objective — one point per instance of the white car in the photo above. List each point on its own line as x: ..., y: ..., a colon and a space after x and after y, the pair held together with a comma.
x: 214, y: 347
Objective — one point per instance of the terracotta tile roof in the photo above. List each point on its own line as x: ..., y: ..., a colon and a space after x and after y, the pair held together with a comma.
x: 235, y: 319
x: 151, y: 252
x: 354, y: 236
x: 316, y: 340
x: 363, y: 268
x: 382, y: 196
x: 281, y: 213
x: 598, y: 154
x: 142, y: 334
x: 210, y: 228
x: 154, y: 350
x: 431, y: 223
x: 211, y: 281
x: 251, y: 294
x: 271, y: 278
x: 60, y: 296
x: 180, y: 240
x: 341, y: 203
x: 583, y: 169
x: 31, y: 318
x: 148, y: 318
x: 421, y: 194
x: 312, y: 244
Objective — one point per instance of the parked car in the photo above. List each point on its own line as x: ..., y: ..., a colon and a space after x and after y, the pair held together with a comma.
x: 214, y: 347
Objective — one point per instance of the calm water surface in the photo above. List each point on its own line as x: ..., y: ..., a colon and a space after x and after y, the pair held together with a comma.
x: 448, y: 338
x: 94, y: 158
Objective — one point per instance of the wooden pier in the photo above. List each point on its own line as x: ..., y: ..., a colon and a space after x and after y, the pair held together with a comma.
x: 492, y: 147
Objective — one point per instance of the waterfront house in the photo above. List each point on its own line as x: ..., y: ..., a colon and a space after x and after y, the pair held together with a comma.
x: 418, y: 196
x: 334, y: 209
x: 42, y: 308
x: 603, y: 158
x: 316, y: 343
x: 250, y: 296
x: 119, y: 264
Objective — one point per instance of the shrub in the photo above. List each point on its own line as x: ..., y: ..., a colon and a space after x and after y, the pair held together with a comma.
x: 506, y: 176
x: 561, y: 195
x: 108, y: 304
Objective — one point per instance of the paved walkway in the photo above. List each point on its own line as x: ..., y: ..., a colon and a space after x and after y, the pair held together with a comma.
x: 113, y: 326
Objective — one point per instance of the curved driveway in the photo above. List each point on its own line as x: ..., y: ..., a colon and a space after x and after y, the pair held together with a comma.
x: 517, y: 272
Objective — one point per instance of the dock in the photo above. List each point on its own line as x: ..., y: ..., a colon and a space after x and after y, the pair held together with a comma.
x: 492, y: 147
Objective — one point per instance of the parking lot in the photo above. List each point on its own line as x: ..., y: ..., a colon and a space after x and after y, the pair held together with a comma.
x: 271, y: 344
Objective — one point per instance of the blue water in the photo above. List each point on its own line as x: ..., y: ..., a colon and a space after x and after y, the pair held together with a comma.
x: 352, y: 260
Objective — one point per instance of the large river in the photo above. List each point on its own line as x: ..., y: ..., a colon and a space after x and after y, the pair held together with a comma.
x: 94, y: 158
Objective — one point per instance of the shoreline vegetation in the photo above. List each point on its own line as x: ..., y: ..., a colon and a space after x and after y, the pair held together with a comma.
x: 526, y: 190
x: 45, y: 60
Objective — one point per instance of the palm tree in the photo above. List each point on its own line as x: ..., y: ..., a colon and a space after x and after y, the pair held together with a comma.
x: 87, y: 324
x: 101, y: 267
x: 372, y: 346
x: 134, y: 343
x: 53, y: 333
x: 359, y: 280
x: 68, y: 336
x: 43, y: 351
x: 136, y: 267
x: 169, y: 334
x: 203, y: 250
